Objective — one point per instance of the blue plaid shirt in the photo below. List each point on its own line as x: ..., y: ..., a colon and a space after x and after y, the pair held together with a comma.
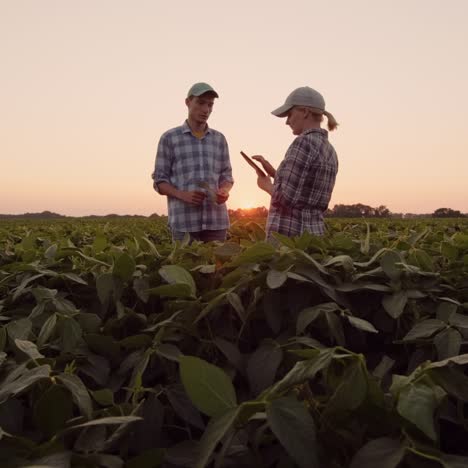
x: 184, y: 161
x: 303, y: 185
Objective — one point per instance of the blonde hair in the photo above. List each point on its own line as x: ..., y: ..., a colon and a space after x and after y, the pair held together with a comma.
x: 332, y: 124
x: 317, y: 115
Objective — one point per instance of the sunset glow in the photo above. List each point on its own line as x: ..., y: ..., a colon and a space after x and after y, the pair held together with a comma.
x: 89, y: 87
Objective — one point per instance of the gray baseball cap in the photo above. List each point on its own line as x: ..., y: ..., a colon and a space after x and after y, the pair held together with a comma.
x: 201, y: 88
x: 303, y: 96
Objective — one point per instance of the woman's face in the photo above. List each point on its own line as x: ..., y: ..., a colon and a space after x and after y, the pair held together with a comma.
x: 296, y: 119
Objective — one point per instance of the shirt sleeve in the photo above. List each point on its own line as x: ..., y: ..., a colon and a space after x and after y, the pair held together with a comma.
x: 163, y: 163
x: 291, y: 178
x: 226, y: 169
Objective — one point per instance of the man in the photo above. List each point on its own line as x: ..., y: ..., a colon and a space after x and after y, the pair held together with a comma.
x: 193, y: 170
x: 304, y: 181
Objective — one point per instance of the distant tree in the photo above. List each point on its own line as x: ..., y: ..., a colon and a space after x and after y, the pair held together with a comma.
x: 446, y: 213
x: 358, y: 210
x: 382, y: 212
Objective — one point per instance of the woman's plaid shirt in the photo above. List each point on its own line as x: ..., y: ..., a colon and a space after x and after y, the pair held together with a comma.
x: 185, y: 161
x: 303, y: 185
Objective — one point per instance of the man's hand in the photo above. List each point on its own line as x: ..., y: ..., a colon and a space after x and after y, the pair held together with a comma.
x: 221, y: 196
x: 264, y: 182
x: 192, y: 197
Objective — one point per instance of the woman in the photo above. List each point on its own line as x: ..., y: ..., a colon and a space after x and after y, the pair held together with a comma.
x: 304, y: 181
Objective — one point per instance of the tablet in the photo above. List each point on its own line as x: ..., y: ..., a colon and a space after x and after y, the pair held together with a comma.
x: 259, y: 171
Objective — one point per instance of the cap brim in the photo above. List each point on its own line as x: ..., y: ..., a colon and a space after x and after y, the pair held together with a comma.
x: 207, y: 91
x: 282, y: 111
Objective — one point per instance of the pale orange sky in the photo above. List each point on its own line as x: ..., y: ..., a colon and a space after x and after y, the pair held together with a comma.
x: 88, y: 87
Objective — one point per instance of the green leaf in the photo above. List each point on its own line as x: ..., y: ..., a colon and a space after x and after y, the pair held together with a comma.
x: 395, y: 304
x: 50, y: 422
x: 209, y: 388
x: 205, y: 269
x: 424, y: 329
x: 294, y: 427
x: 3, y: 338
x: 416, y: 403
x: 28, y: 348
x: 237, y: 305
x: 345, y: 261
x: 124, y: 267
x: 56, y: 460
x: 175, y: 274
x: 389, y: 263
x: 71, y: 334
x: 89, y: 323
x: 104, y: 397
x: 302, y: 371
x: 381, y: 453
x: 458, y: 320
x: 310, y: 314
x: 74, y: 277
x: 20, y: 383
x: 421, y: 259
x: 100, y: 243
x: 105, y: 287
x: 336, y: 327
x: 259, y: 252
x: 229, y: 249
x: 350, y: 393
x: 285, y: 240
x: 183, y: 406
x: 231, y: 352
x: 46, y: 330
x: 453, y: 461
x: 141, y: 286
x: 219, y: 299
x: 103, y: 345
x: 79, y: 393
x: 112, y: 420
x: 365, y: 243
x: 169, y: 351
x: 19, y: 329
x: 449, y: 251
x: 452, y: 380
x: 361, y: 324
x: 171, y: 290
x: 275, y: 279
x: 152, y: 458
x: 263, y: 365
x: 136, y: 341
x: 215, y: 431
x: 448, y: 343
x: 461, y: 360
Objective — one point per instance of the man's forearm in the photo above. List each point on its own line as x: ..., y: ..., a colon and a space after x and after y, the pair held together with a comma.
x: 165, y: 188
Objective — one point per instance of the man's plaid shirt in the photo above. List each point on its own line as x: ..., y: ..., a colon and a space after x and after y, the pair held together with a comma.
x: 303, y: 185
x: 184, y: 161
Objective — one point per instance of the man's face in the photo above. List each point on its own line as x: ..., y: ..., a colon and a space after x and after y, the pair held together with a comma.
x: 296, y: 119
x: 200, y: 107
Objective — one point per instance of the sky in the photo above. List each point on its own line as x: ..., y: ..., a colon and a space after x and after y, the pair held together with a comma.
x: 88, y: 87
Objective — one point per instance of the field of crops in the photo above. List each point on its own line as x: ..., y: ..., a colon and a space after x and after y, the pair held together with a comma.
x: 121, y: 349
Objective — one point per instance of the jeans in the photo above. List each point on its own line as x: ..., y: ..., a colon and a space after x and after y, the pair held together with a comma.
x: 203, y: 236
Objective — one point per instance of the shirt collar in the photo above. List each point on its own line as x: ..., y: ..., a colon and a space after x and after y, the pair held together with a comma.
x: 186, y: 128
x: 315, y: 130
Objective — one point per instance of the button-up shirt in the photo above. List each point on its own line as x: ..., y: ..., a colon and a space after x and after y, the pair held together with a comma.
x: 303, y: 185
x: 185, y: 162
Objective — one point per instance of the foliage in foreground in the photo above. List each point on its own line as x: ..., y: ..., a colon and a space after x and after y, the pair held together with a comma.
x: 118, y: 348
